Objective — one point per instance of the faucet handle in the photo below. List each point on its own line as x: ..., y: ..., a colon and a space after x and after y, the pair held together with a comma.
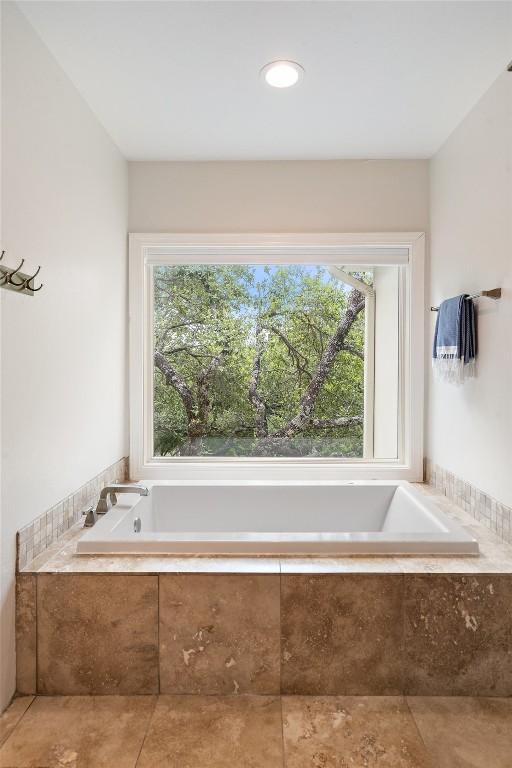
x: 90, y: 517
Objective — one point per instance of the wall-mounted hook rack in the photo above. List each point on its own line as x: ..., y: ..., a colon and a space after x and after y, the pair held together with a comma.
x: 22, y: 282
x: 494, y: 293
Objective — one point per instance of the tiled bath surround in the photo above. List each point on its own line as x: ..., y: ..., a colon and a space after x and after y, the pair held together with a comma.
x: 265, y: 633
x: 42, y: 532
x: 485, y: 509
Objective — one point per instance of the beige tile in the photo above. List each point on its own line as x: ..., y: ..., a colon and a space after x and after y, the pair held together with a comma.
x: 219, y: 633
x: 79, y: 732
x: 12, y: 715
x: 341, y: 634
x: 351, y: 732
x: 26, y: 632
x: 97, y: 633
x: 458, y: 635
x: 214, y: 732
x: 465, y: 732
x: 340, y: 565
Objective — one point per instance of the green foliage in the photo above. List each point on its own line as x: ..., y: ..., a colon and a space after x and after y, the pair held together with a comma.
x: 203, y: 311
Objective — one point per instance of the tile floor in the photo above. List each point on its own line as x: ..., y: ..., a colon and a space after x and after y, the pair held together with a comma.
x: 256, y: 732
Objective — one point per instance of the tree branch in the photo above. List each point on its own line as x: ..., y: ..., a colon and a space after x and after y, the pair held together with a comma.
x: 203, y: 386
x: 292, y: 351
x: 353, y: 350
x: 342, y: 421
x: 261, y: 425
x: 173, y: 378
x: 301, y: 421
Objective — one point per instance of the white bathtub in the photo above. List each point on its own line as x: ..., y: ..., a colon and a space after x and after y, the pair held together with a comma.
x: 328, y: 518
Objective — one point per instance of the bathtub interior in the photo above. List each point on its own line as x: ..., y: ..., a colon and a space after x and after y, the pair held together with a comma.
x: 277, y: 518
x: 278, y: 508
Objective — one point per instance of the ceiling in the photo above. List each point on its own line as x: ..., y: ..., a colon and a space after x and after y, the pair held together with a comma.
x: 180, y: 80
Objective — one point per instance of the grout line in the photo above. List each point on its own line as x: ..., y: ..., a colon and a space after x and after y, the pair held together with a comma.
x: 417, y: 727
x: 36, y: 682
x: 150, y: 720
x: 282, y: 732
x: 280, y: 632
x: 18, y: 722
x: 158, y: 629
x: 403, y: 654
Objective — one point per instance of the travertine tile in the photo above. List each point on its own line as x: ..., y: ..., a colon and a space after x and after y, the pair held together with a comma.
x: 341, y: 634
x: 465, y: 732
x: 219, y: 633
x: 12, y: 715
x: 321, y: 565
x: 214, y: 732
x: 97, y: 633
x: 26, y: 633
x: 458, y: 635
x: 79, y: 732
x: 351, y: 732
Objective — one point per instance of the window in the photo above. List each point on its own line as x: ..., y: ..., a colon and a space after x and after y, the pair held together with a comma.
x: 270, y: 352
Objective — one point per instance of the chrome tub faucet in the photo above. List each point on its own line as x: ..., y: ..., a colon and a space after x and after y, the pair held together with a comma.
x: 108, y: 499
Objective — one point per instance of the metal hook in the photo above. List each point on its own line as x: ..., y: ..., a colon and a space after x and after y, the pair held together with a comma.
x: 13, y: 282
x: 5, y: 275
x: 25, y: 285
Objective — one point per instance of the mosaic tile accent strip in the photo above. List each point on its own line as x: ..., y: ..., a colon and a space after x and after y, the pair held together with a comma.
x: 485, y: 509
x: 41, y: 533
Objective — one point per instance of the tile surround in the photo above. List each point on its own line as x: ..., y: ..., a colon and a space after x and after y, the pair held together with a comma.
x: 341, y: 634
x: 458, y: 635
x: 97, y: 634
x: 481, y: 506
x: 345, y: 625
x: 26, y: 633
x: 219, y: 633
x: 330, y: 634
x: 41, y: 533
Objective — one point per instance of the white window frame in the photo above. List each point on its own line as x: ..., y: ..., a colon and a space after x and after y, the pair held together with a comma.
x: 147, y: 250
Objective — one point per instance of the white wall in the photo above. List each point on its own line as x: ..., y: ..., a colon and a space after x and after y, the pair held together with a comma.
x: 64, y: 350
x: 470, y: 427
x: 302, y: 196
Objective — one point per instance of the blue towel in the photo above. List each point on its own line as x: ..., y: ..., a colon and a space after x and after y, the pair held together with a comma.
x: 454, y: 351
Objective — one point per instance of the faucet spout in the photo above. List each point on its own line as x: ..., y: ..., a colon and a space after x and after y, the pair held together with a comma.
x: 108, y: 494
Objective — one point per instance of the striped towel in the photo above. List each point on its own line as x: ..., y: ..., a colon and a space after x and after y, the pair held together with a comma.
x: 453, y: 356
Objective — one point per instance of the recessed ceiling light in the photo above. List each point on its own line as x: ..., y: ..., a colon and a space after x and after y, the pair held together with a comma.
x: 282, y: 74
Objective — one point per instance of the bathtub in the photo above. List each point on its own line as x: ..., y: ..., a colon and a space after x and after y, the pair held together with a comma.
x: 278, y: 518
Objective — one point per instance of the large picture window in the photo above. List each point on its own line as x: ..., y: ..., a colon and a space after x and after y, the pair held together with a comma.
x: 276, y: 354
x: 259, y: 360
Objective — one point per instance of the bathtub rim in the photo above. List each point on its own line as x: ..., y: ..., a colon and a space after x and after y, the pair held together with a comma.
x: 455, y: 540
